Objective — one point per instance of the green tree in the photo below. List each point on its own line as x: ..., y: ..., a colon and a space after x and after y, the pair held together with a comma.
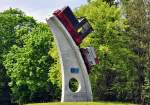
x: 55, y: 73
x: 9, y: 20
x: 28, y: 65
x: 112, y: 78
x: 137, y: 13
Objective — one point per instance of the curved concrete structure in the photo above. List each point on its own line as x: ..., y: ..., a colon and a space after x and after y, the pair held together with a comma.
x: 72, y: 64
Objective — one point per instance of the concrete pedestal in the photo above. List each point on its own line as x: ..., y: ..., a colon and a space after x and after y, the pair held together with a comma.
x: 72, y: 64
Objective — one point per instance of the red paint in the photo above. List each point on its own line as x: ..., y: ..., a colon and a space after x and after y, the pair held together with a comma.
x: 64, y: 20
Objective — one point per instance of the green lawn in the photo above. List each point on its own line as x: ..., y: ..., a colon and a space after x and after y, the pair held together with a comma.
x: 81, y: 103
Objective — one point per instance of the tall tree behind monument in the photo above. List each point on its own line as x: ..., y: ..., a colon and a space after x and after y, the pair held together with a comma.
x: 137, y: 13
x: 111, y: 79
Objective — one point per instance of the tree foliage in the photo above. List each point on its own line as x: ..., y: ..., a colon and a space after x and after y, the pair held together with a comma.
x: 55, y: 73
x: 25, y: 61
x: 137, y: 13
x: 28, y: 65
x: 112, y: 78
x: 9, y: 20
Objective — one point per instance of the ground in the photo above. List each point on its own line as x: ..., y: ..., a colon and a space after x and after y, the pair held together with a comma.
x: 82, y: 103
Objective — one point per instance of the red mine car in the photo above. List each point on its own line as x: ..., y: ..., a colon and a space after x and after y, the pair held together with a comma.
x: 78, y: 29
x: 89, y: 57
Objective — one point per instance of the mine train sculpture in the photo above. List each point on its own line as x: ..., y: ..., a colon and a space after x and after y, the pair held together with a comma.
x: 78, y: 29
x: 76, y: 62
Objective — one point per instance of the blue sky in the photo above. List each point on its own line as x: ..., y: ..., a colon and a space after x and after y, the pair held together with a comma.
x: 39, y: 9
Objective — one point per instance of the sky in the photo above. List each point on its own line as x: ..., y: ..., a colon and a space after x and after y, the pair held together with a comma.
x: 39, y: 9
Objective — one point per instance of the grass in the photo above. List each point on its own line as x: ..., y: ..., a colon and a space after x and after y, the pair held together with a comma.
x: 82, y: 103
